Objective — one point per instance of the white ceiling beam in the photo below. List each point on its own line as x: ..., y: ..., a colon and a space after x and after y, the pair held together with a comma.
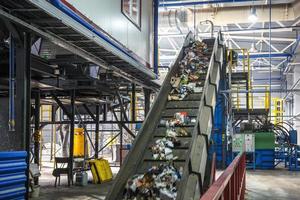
x: 283, y: 50
x: 272, y: 46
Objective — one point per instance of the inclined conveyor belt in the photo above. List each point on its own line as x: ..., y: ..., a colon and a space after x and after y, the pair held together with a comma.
x: 181, y: 160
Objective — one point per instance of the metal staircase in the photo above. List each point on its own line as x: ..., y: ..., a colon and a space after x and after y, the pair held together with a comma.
x: 192, y: 154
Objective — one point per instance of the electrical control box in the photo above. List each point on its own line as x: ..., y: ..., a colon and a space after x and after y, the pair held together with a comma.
x: 243, y: 142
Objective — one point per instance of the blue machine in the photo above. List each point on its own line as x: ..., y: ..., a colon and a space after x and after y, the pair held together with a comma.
x: 294, y: 152
x: 293, y: 136
x: 264, y: 159
x: 294, y: 158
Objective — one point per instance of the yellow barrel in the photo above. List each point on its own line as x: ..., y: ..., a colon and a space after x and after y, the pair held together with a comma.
x: 78, y: 142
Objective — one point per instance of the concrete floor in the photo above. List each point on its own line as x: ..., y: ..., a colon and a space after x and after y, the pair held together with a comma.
x: 272, y: 184
x: 261, y: 185
x: 63, y: 192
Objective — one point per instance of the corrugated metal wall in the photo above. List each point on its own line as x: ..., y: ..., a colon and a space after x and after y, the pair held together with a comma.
x: 13, y: 174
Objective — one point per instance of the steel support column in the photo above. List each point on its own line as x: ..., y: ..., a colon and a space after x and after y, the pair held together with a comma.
x: 104, y: 109
x: 37, y: 136
x: 53, y: 135
x: 121, y: 141
x: 133, y: 102
x: 23, y: 97
x: 155, y: 46
x: 72, y: 126
x: 97, y: 131
x: 147, y: 94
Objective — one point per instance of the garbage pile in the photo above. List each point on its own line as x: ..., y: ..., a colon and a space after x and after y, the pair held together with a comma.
x: 157, y: 183
x: 187, y: 81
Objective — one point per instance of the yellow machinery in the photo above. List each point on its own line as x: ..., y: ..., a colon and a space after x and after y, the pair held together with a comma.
x: 101, y: 170
x: 78, y: 142
x: 277, y: 110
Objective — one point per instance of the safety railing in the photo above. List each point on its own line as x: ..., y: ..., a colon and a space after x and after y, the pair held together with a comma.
x: 231, y: 184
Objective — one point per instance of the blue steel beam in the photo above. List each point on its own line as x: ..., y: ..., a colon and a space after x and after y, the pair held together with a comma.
x: 174, y: 3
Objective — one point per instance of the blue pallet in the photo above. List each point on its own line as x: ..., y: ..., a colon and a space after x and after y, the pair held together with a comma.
x: 13, y: 178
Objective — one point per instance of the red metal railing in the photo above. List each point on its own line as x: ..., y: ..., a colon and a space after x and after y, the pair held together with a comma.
x: 232, y: 182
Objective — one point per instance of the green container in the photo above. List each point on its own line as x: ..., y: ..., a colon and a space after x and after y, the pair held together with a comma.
x: 264, y: 140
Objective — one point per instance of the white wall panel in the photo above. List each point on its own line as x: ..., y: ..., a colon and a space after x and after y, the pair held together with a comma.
x: 107, y: 15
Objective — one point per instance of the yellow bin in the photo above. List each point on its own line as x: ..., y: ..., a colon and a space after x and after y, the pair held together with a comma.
x: 101, y: 170
x: 78, y: 142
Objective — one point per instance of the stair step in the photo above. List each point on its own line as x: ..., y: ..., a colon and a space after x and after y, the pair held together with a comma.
x: 183, y: 104
x: 180, y: 153
x: 146, y: 165
x: 192, y: 125
x: 171, y: 112
x: 161, y: 131
x: 193, y: 97
x: 185, y: 142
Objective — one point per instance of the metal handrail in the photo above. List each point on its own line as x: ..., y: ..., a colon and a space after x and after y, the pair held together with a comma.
x: 231, y: 184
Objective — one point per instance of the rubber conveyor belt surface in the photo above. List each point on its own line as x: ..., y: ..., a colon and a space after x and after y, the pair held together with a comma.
x: 180, y: 171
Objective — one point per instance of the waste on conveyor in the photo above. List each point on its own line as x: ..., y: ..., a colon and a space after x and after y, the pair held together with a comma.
x: 187, y: 80
x: 159, y: 182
